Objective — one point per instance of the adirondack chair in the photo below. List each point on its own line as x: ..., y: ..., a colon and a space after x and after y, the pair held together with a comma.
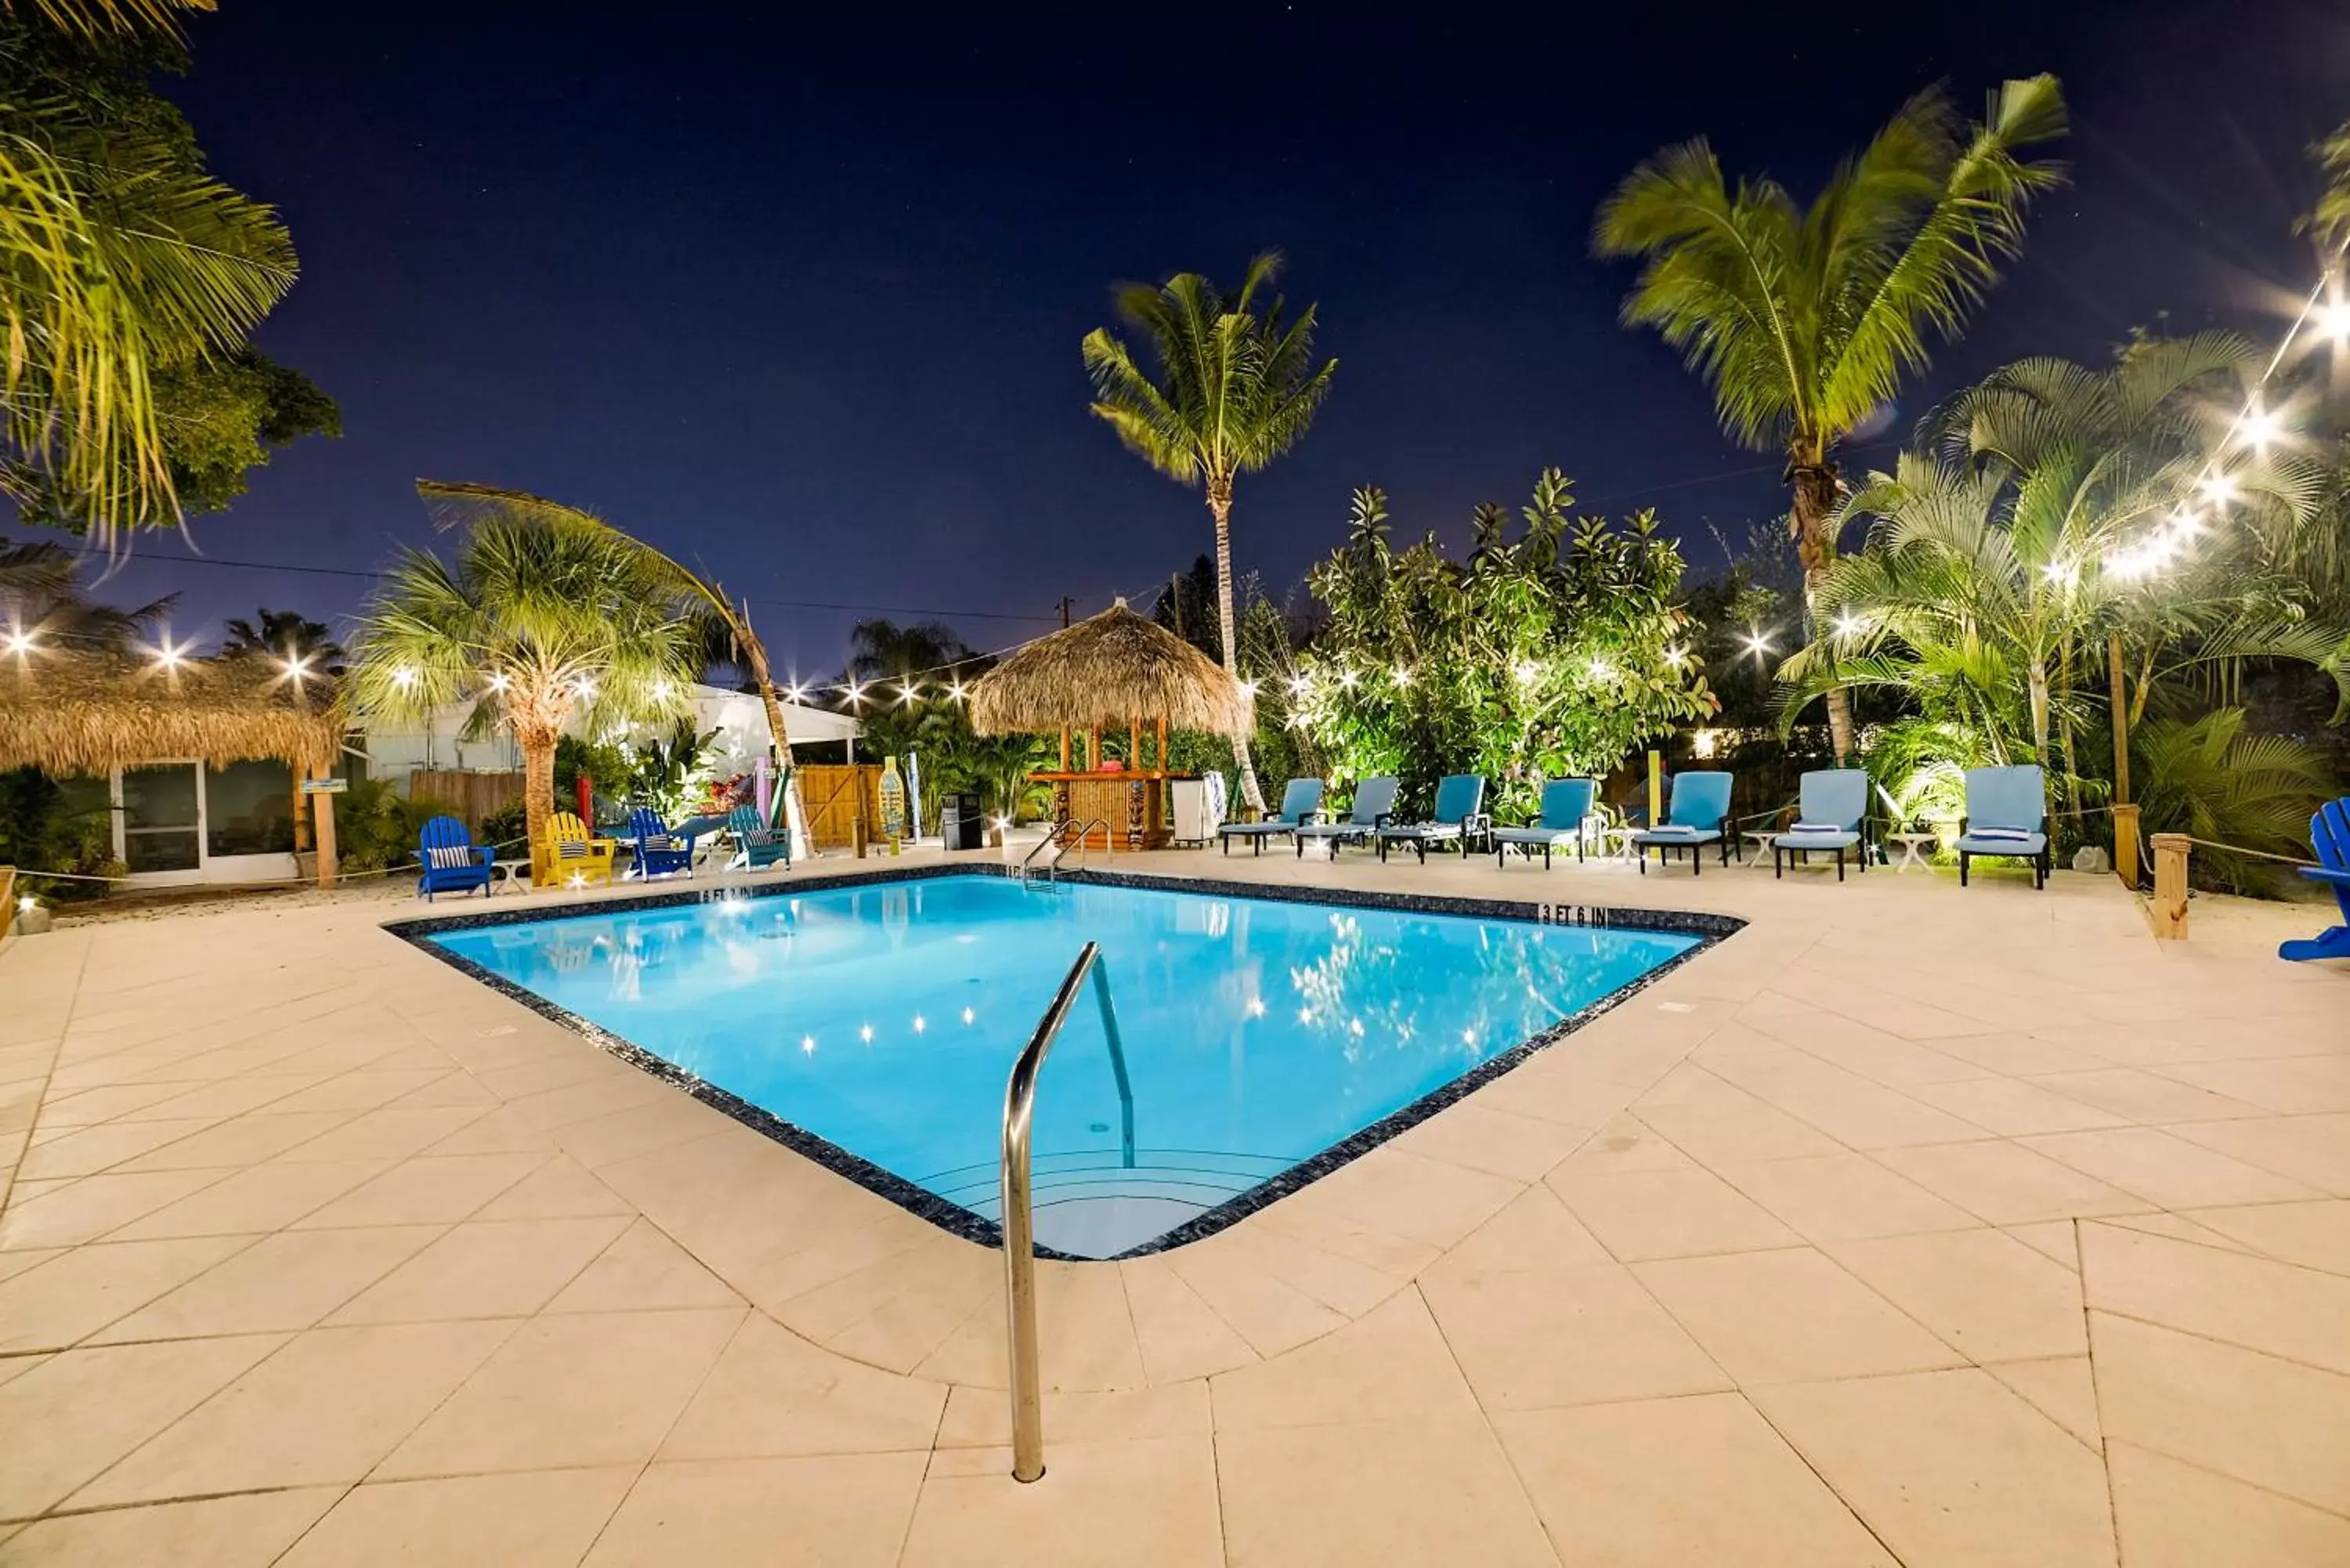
x: 2329, y: 832
x: 453, y: 862
x: 567, y: 849
x: 758, y: 845
x: 659, y: 852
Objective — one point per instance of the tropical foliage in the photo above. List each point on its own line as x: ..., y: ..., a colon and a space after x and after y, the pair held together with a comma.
x: 1236, y: 387
x: 540, y: 618
x: 1555, y: 648
x: 130, y: 278
x: 1803, y: 319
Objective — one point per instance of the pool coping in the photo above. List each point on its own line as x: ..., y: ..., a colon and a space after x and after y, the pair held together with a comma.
x: 1710, y: 930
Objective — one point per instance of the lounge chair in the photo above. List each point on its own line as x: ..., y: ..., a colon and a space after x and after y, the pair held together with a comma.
x: 1831, y: 815
x: 1460, y: 816
x: 659, y: 852
x: 453, y: 862
x: 2329, y: 832
x: 1565, y: 804
x: 1698, y: 813
x: 2007, y: 818
x: 569, y: 849
x: 757, y: 845
x: 1301, y: 802
x: 1373, y: 804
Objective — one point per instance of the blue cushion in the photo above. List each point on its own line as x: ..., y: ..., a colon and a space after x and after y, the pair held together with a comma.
x: 1993, y: 841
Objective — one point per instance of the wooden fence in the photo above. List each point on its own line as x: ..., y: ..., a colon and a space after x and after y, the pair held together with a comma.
x: 834, y: 795
x: 471, y: 796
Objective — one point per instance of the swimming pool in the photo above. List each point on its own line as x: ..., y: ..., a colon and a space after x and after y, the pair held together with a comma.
x: 878, y: 1019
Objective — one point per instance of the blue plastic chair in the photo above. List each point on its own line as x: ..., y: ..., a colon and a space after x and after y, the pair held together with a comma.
x: 1460, y: 815
x: 1698, y: 813
x: 1373, y: 805
x: 2329, y: 833
x: 453, y: 862
x: 1830, y: 813
x: 2007, y: 817
x: 659, y: 852
x: 1565, y: 802
x: 1301, y: 802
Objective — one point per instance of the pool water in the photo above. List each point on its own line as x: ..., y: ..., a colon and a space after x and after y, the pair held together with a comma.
x: 884, y: 1018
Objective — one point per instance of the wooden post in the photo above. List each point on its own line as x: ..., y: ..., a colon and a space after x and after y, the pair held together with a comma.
x: 1655, y: 788
x: 1134, y: 743
x: 322, y: 804
x: 1160, y: 761
x: 2170, y: 850
x: 301, y: 817
x: 2126, y: 844
x: 1065, y: 748
x: 1093, y: 750
x: 7, y: 898
x: 2118, y: 695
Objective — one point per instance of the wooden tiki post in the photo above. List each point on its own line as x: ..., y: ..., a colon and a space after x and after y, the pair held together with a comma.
x: 322, y: 804
x: 1065, y: 748
x: 2170, y: 850
x: 1159, y: 762
x: 1134, y: 743
x: 2126, y: 830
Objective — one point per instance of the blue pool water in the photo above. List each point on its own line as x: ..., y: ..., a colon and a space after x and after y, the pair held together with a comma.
x: 884, y: 1017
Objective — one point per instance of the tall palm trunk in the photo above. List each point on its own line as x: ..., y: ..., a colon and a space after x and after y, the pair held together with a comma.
x: 794, y: 810
x: 538, y: 780
x: 1814, y: 479
x: 1220, y: 505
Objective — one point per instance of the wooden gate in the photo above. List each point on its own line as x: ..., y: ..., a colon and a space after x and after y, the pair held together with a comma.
x: 834, y: 795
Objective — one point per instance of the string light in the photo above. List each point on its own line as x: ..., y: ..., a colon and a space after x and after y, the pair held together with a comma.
x: 403, y: 678
x: 1527, y: 671
x: 908, y: 692
x: 1346, y: 679
x: 1299, y: 685
x: 1677, y: 656
x: 793, y: 692
x: 1402, y: 677
x: 1248, y: 689
x: 660, y: 690
x: 954, y: 692
x: 1849, y: 625
x: 1600, y: 669
x: 167, y: 655
x: 1757, y: 644
x: 500, y: 682
x: 20, y: 642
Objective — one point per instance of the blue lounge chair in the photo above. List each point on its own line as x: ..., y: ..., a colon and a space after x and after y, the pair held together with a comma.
x: 1301, y: 802
x: 1565, y: 802
x: 1698, y: 813
x: 1373, y: 804
x: 756, y: 845
x: 1830, y: 813
x: 453, y: 862
x: 659, y: 852
x: 2329, y: 832
x: 1460, y: 815
x: 2007, y: 817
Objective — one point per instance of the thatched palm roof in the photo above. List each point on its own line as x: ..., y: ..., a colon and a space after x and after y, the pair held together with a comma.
x: 69, y: 713
x: 1105, y: 670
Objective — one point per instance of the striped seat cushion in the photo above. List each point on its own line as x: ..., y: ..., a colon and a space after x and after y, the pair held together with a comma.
x: 659, y: 843
x: 570, y: 849
x: 449, y: 858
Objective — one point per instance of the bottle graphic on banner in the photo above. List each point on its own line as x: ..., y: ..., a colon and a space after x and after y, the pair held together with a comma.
x: 893, y: 804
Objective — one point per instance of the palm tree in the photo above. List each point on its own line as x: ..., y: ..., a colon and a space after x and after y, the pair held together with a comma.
x: 288, y: 636
x: 120, y: 262
x: 43, y: 604
x: 1235, y: 391
x: 540, y: 618
x: 1804, y: 319
x: 721, y: 622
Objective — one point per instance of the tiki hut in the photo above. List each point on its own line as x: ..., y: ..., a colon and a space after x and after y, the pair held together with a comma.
x: 90, y: 715
x: 1109, y: 670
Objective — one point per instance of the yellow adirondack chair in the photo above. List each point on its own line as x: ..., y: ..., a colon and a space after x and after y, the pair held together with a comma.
x: 569, y: 849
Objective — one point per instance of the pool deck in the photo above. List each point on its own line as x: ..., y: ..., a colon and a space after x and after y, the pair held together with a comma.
x: 1908, y: 1226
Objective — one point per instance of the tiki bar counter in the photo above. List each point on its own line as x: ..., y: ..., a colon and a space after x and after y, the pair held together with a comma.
x: 1113, y: 671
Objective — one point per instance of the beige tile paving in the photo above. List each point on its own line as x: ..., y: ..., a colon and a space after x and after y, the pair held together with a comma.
x: 1700, y: 1480
x: 319, y: 1250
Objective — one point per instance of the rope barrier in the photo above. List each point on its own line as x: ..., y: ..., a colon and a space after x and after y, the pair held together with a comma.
x: 2239, y: 849
x: 24, y: 873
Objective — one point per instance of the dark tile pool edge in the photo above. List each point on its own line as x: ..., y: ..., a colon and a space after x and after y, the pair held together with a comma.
x: 1707, y: 929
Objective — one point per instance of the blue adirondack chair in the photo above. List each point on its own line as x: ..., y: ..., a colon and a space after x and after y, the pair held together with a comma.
x: 2329, y: 832
x: 1565, y: 802
x: 1831, y: 815
x: 1460, y: 815
x: 1697, y: 814
x: 1301, y: 800
x: 453, y: 862
x: 2007, y: 815
x: 659, y: 852
x: 760, y: 846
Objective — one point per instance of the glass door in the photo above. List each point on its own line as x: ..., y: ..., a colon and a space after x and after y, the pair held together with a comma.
x: 162, y: 818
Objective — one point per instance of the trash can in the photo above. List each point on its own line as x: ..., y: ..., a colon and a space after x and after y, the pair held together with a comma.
x: 961, y: 824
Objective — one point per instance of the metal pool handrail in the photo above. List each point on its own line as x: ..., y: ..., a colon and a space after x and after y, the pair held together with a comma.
x: 1019, y: 1216
x: 1062, y: 837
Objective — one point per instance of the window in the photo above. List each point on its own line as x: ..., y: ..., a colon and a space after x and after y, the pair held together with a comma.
x: 249, y: 809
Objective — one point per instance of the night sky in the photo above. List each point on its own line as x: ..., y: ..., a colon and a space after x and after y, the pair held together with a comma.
x: 799, y: 293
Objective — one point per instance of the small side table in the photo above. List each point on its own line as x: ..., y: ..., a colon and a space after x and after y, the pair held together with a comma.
x: 1913, y: 847
x: 1762, y: 842
x: 513, y: 876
